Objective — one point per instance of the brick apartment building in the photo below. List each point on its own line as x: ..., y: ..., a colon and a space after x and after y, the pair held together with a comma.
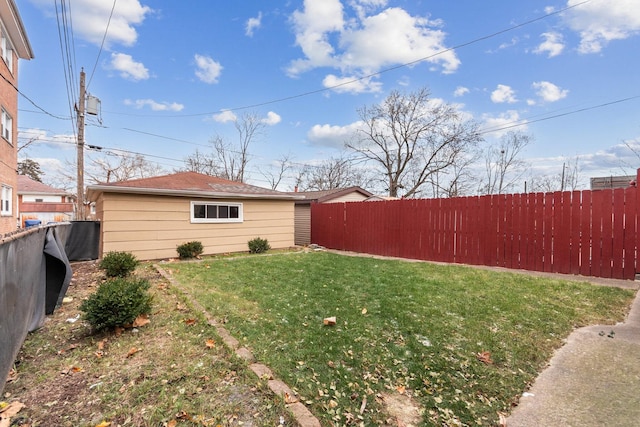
x: 14, y: 45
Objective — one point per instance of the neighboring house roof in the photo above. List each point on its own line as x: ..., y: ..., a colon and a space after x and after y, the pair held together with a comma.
x: 378, y: 197
x: 188, y: 184
x: 327, y: 195
x: 26, y: 185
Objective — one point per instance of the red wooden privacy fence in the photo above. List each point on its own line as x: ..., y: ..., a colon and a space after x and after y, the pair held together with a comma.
x: 591, y: 233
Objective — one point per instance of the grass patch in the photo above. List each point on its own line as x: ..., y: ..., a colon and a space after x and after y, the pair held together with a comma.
x: 464, y: 343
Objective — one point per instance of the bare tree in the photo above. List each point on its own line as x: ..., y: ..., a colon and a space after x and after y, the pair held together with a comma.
x: 335, y: 172
x: 504, y: 168
x: 409, y: 138
x: 568, y: 179
x: 200, y: 162
x: 277, y: 172
x: 121, y: 168
x: 231, y: 162
x: 457, y: 180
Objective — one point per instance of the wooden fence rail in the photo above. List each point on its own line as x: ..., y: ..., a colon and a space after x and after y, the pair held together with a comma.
x: 591, y: 233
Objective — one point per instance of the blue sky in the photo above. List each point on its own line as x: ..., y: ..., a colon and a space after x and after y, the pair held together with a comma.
x: 170, y: 75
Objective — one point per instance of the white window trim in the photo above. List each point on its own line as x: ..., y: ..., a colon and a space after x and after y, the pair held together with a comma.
x: 7, y: 195
x: 6, y: 50
x: 6, y: 126
x: 217, y: 220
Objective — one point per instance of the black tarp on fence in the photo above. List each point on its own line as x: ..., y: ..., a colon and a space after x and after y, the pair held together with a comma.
x: 34, y: 276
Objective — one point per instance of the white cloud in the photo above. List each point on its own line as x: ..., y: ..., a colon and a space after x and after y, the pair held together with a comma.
x: 207, y: 70
x: 225, y: 116
x: 503, y: 94
x: 363, y: 7
x: 366, y: 43
x: 128, y: 68
x: 253, y: 24
x: 332, y: 136
x: 90, y: 19
x: 549, y: 92
x: 600, y: 22
x: 553, y: 44
x: 155, y: 106
x: 395, y: 37
x: 312, y: 28
x: 271, y: 119
x: 503, y: 123
x: 351, y: 84
x: 460, y: 91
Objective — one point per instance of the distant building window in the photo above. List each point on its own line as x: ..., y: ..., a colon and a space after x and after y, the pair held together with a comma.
x: 216, y: 212
x: 6, y: 126
x: 6, y: 50
x: 7, y: 199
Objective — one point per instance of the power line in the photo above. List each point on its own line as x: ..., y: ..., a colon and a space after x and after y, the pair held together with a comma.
x: 377, y: 73
x: 104, y: 37
x: 65, y: 37
x: 523, y: 122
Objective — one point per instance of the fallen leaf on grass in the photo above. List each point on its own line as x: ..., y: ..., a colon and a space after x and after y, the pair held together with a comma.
x: 210, y: 343
x: 189, y: 322
x: 485, y: 357
x: 132, y: 351
x: 11, y: 409
x: 364, y: 311
x: 104, y: 424
x: 70, y: 370
x: 8, y: 411
x: 141, y: 320
x: 288, y: 399
x: 172, y: 423
x: 329, y: 321
x: 182, y: 415
x: 401, y: 389
x: 13, y: 376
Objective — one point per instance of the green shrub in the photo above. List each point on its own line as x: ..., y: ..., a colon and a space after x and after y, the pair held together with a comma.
x: 118, y: 264
x: 190, y: 250
x: 117, y: 302
x: 258, y: 245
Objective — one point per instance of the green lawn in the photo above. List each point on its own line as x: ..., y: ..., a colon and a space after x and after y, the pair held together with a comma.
x: 402, y: 327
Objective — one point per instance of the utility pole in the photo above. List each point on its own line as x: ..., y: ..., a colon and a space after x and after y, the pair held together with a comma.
x: 80, y: 213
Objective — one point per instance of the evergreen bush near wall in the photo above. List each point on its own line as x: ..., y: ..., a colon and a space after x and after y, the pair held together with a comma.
x: 117, y: 302
x: 258, y: 245
x: 190, y: 250
x: 118, y: 264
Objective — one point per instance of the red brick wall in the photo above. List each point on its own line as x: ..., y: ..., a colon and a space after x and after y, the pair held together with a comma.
x: 9, y: 152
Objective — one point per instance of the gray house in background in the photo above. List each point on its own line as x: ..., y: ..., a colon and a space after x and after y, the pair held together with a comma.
x: 302, y: 235
x: 611, y: 182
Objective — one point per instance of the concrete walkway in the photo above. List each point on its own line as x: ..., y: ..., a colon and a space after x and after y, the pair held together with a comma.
x: 593, y: 380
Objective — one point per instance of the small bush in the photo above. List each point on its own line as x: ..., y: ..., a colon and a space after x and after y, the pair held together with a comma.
x: 118, y: 264
x: 190, y: 250
x: 258, y: 245
x: 117, y: 302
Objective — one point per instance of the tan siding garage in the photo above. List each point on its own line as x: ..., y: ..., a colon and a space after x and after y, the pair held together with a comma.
x: 151, y: 226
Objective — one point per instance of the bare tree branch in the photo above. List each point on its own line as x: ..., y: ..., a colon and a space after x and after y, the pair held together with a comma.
x: 411, y: 138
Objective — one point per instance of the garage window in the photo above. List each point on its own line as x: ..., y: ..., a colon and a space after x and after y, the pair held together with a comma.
x: 216, y: 212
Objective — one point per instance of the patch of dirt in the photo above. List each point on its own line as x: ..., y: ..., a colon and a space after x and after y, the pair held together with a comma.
x: 403, y: 408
